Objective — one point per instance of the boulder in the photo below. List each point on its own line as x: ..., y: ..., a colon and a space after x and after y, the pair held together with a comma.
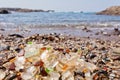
x: 4, y: 12
x: 114, y: 10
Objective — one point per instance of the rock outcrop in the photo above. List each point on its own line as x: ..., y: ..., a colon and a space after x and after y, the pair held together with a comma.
x: 114, y: 10
x: 4, y: 11
x: 24, y: 10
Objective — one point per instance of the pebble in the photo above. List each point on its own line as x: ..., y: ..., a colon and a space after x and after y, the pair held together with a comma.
x: 116, y: 50
x: 112, y: 75
x: 92, y: 51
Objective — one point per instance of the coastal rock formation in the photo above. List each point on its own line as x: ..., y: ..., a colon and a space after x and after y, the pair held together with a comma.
x: 114, y: 10
x: 24, y: 10
x: 4, y: 11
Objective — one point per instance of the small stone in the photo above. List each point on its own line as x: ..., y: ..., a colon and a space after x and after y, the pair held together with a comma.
x: 39, y: 63
x: 3, y: 46
x: 92, y: 56
x: 105, y: 33
x: 16, y: 35
x: 116, y: 29
x: 2, y: 29
x: 112, y: 75
x: 116, y: 50
x: 12, y: 66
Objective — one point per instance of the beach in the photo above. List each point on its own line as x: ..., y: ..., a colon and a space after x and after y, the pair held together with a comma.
x: 59, y: 46
x: 78, y: 52
x: 59, y: 40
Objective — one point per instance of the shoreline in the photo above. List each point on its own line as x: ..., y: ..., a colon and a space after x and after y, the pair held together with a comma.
x: 105, y: 33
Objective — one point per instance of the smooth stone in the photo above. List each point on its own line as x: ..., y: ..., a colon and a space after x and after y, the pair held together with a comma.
x: 116, y: 50
x: 3, y: 46
x: 16, y: 35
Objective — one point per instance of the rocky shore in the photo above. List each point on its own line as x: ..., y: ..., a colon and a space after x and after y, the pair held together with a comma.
x: 4, y: 12
x: 58, y: 56
x: 114, y: 10
x: 22, y: 10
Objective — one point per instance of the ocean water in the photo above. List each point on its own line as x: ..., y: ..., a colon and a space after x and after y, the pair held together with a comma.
x: 39, y: 18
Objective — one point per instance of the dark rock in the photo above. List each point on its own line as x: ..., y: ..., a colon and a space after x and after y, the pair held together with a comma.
x: 101, y: 75
x: 116, y: 29
x: 18, y: 50
x: 92, y: 56
x: 43, y: 72
x: 21, y: 70
x: 25, y: 10
x: 8, y: 48
x: 12, y: 77
x: 101, y: 62
x: 85, y: 28
x: 75, y: 50
x: 3, y: 68
x: 103, y: 72
x: 2, y: 29
x: 103, y: 48
x: 4, y: 12
x: 97, y: 33
x: 16, y: 35
x: 116, y: 58
x: 80, y: 74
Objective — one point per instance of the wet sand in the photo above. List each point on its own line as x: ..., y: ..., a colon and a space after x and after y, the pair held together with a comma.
x: 106, y: 33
